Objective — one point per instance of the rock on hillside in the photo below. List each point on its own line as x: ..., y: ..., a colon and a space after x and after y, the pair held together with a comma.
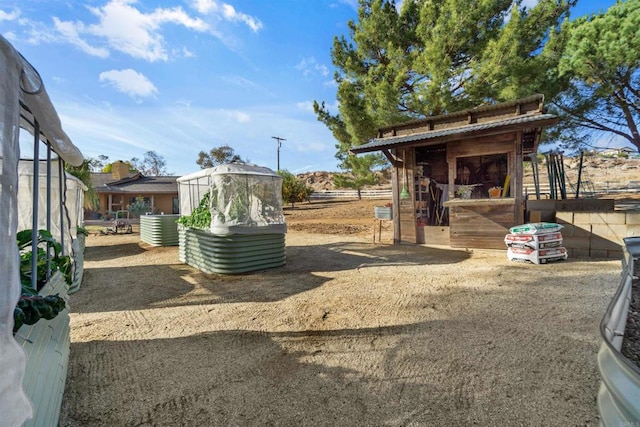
x: 599, y: 171
x: 320, y: 181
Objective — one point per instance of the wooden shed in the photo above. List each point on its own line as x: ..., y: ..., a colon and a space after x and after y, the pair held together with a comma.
x: 457, y: 178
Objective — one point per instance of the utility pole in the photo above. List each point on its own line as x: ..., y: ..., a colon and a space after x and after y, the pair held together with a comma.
x: 277, y: 138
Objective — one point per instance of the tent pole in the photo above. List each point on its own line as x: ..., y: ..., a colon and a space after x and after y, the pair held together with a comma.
x: 34, y: 210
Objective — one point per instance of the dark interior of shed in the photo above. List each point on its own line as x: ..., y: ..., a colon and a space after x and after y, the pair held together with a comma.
x: 431, y: 185
x: 484, y: 173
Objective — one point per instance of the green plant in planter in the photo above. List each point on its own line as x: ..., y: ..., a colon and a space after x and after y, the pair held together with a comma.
x: 31, y: 306
x: 200, y: 217
x: 58, y: 262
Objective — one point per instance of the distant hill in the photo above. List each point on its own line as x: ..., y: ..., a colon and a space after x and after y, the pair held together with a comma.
x: 598, y: 170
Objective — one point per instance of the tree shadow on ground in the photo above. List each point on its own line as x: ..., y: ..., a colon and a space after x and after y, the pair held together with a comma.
x: 219, y: 378
x: 109, y: 252
x: 444, y: 372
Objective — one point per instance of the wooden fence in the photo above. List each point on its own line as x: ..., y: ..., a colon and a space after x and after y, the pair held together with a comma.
x: 351, y: 194
x: 586, y: 190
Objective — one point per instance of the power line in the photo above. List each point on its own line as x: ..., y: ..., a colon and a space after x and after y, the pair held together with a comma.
x: 277, y: 138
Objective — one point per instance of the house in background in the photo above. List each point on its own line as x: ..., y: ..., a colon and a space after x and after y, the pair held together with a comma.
x: 120, y: 189
x: 620, y: 152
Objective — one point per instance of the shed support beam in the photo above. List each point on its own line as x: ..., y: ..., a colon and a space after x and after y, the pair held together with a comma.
x: 392, y: 159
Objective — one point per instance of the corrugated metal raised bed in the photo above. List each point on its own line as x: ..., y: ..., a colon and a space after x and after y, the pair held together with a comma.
x: 619, y: 395
x: 231, y: 254
x: 46, y: 345
x: 159, y: 230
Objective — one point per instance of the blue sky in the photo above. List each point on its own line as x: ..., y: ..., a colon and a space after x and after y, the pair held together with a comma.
x: 183, y: 76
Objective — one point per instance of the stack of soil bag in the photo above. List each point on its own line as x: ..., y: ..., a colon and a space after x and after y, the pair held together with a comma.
x: 539, y: 243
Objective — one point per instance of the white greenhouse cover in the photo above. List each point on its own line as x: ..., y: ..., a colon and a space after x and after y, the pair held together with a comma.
x: 20, y: 84
x: 72, y: 215
x: 245, y: 199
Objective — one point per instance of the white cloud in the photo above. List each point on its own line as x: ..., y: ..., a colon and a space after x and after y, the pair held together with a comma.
x: 129, y: 82
x: 309, y: 66
x: 232, y: 15
x: 10, y: 35
x: 9, y: 16
x: 33, y: 32
x: 135, y: 33
x: 227, y: 12
x: 187, y: 53
x: 120, y: 27
x: 322, y: 69
x: 239, y: 116
x: 125, y: 27
x: 305, y: 106
x: 69, y: 32
x: 330, y: 83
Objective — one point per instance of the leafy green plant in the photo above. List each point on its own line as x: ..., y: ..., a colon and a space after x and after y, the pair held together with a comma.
x: 31, y: 306
x: 293, y: 190
x: 82, y: 230
x: 139, y: 207
x: 200, y: 217
x: 57, y: 261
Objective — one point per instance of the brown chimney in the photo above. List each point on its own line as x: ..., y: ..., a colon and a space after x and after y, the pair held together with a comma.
x: 119, y: 170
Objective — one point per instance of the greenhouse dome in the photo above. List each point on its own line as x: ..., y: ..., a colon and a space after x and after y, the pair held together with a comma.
x: 241, y: 198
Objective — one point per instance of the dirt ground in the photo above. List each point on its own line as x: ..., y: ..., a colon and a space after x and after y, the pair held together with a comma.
x: 348, y: 333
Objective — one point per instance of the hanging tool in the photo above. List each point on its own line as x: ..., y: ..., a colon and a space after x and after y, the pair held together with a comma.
x: 404, y: 194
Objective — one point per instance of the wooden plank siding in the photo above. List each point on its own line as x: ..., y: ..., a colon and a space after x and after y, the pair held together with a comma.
x: 480, y: 224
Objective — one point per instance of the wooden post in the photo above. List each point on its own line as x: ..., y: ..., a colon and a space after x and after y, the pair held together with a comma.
x: 395, y: 197
x: 516, y: 180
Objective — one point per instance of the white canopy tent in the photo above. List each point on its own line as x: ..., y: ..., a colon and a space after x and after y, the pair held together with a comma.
x: 243, y: 198
x: 24, y: 103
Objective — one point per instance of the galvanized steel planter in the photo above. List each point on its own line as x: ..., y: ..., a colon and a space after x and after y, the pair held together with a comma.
x: 619, y: 395
x: 159, y: 230
x: 46, y: 345
x: 231, y: 254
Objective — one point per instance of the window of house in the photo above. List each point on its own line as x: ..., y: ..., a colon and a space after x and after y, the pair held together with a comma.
x: 140, y: 199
